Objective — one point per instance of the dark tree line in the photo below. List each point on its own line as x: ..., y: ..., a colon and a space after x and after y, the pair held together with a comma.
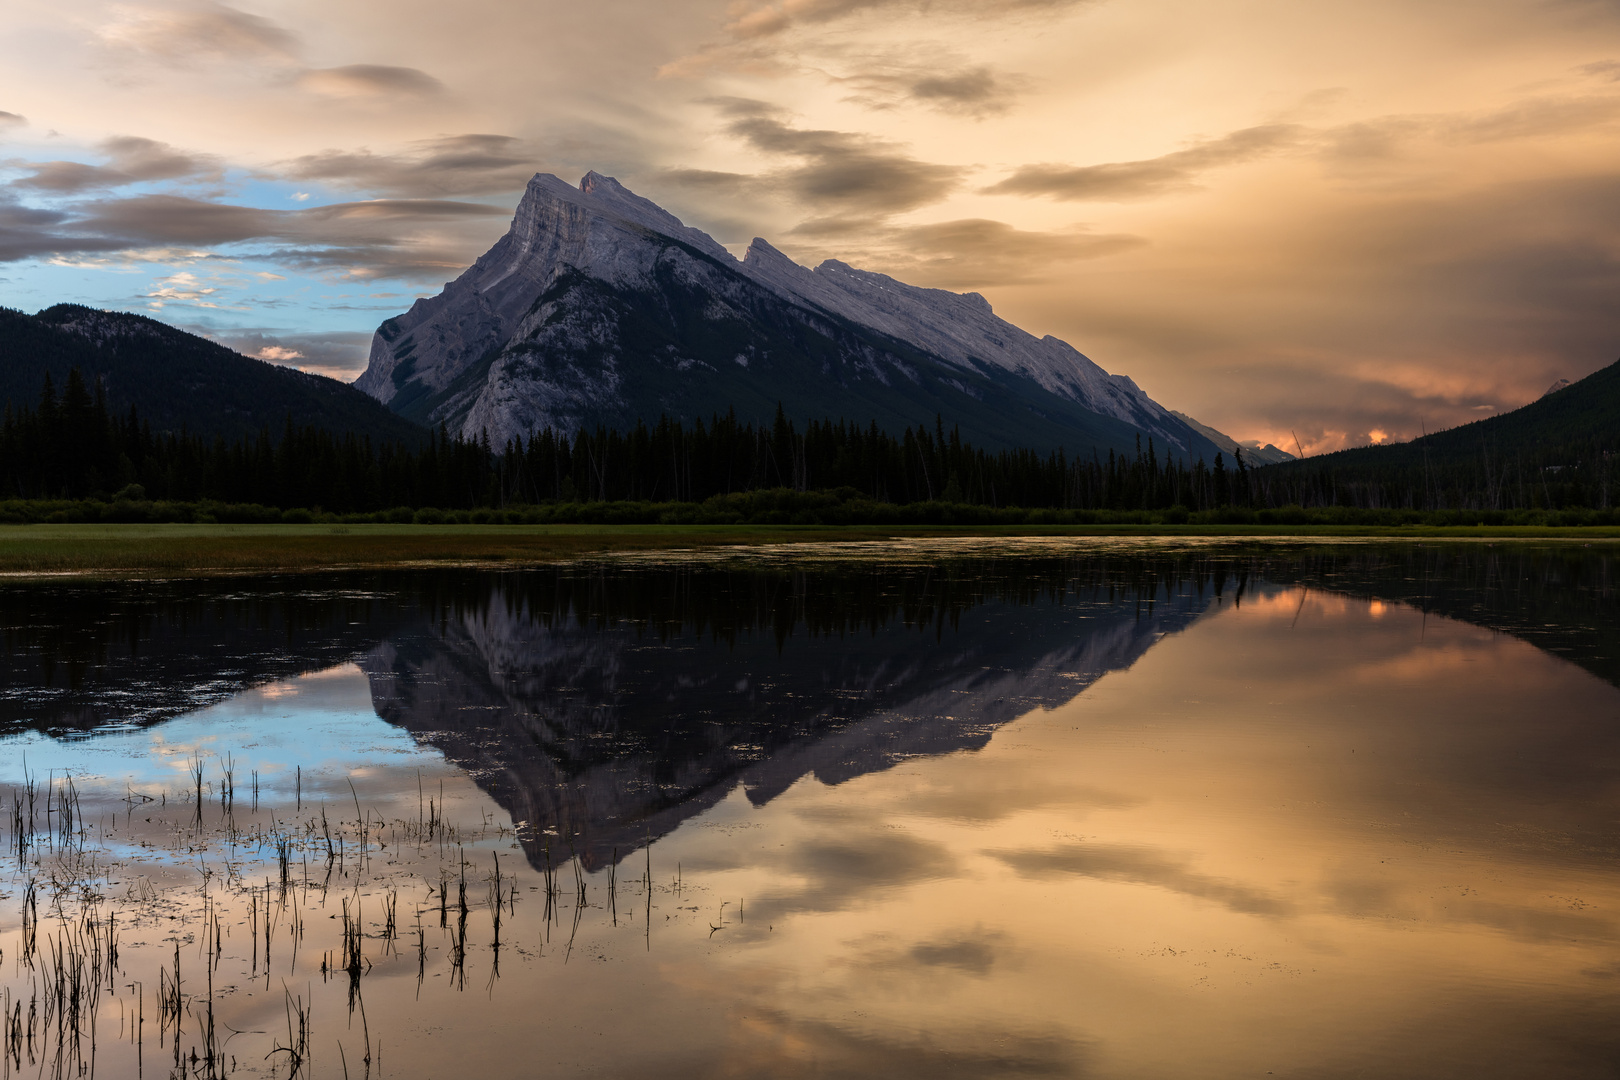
x: 669, y: 462
x: 72, y: 446
x: 1548, y: 475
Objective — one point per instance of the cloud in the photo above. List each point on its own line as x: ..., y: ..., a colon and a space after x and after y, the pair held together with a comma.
x: 11, y: 119
x: 62, y: 177
x: 176, y: 219
x: 751, y: 21
x: 965, y: 91
x: 755, y: 31
x: 371, y: 80
x: 337, y: 354
x: 973, y: 88
x: 29, y: 232
x: 1386, y: 139
x: 1535, y: 118
x: 1395, y: 310
x: 378, y: 210
x: 979, y: 252
x: 185, y: 287
x: 132, y: 160
x: 963, y: 253
x: 711, y: 181
x: 1139, y: 866
x: 416, y: 239
x: 469, y: 164
x: 183, y: 34
x: 1123, y: 180
x: 146, y: 159
x: 841, y: 171
x: 419, y: 239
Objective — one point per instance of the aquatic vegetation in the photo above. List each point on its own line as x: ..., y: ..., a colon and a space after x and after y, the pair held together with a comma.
x: 169, y: 907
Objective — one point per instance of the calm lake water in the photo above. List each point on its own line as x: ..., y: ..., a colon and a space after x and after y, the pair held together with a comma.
x: 1039, y: 808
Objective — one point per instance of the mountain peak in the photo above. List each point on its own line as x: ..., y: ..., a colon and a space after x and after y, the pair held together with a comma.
x: 760, y: 250
x: 607, y: 195
x: 600, y: 303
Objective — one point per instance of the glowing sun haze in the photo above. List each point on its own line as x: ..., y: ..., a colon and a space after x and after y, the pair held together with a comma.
x: 1345, y: 220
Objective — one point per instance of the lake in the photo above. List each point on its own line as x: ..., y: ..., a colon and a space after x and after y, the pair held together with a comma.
x: 1066, y: 808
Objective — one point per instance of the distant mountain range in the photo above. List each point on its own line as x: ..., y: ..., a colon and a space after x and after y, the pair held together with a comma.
x: 599, y: 307
x: 1253, y: 452
x: 179, y: 381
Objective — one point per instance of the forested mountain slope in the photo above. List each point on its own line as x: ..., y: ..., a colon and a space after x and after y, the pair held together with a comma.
x: 178, y: 381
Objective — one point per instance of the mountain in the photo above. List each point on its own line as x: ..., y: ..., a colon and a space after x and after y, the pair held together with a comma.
x: 1563, y: 425
x: 599, y: 307
x: 1253, y: 453
x: 178, y: 380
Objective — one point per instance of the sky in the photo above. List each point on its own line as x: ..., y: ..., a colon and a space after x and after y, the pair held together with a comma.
x: 1317, y: 225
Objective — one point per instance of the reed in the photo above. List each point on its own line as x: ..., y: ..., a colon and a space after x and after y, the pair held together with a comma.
x: 297, y: 1045
x: 70, y: 947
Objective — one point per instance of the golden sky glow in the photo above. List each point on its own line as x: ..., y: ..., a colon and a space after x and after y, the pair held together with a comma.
x: 1332, y: 219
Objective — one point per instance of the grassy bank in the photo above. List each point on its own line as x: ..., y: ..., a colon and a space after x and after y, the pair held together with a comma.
x: 166, y: 550
x: 179, y: 550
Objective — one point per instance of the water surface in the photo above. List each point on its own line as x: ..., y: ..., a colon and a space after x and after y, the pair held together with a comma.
x: 1115, y: 809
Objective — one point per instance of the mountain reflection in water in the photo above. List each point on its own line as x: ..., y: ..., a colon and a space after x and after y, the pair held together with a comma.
x: 609, y: 706
x: 1093, y: 808
x: 606, y: 702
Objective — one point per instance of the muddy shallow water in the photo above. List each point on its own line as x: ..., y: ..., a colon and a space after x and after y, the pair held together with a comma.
x: 1116, y: 809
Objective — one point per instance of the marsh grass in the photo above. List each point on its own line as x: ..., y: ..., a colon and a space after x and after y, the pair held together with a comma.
x: 226, y: 915
x: 180, y: 550
x: 198, y: 550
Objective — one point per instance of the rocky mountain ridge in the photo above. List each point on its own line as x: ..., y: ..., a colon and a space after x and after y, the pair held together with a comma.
x: 598, y: 306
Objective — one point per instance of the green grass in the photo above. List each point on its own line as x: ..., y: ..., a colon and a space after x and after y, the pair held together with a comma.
x: 184, y: 550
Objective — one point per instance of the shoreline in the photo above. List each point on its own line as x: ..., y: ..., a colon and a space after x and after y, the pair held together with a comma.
x: 47, y: 551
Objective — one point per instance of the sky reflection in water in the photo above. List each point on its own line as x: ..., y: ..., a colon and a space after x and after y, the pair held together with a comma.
x: 1307, y: 833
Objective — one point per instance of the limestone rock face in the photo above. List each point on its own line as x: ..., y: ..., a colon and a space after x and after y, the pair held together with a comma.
x: 599, y: 227
x: 958, y: 327
x: 598, y: 306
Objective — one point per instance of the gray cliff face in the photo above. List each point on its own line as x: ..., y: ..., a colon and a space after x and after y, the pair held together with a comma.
x: 562, y: 361
x: 599, y: 227
x: 960, y: 328
x: 600, y: 306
